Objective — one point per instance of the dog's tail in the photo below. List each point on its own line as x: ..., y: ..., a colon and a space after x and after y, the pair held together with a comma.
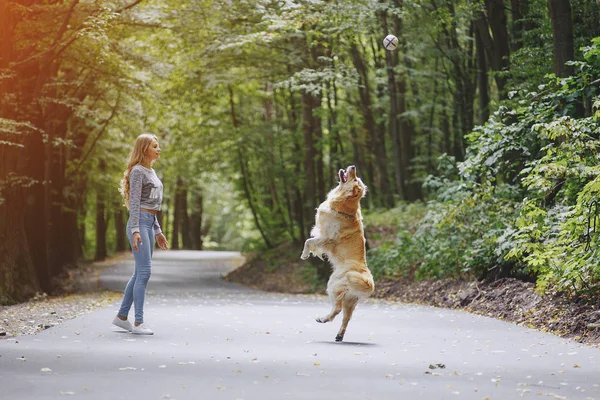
x: 361, y: 282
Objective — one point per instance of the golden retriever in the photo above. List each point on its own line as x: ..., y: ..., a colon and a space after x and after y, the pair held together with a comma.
x: 338, y: 234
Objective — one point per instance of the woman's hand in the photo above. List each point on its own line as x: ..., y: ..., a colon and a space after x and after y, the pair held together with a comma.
x: 162, y: 241
x: 135, y: 239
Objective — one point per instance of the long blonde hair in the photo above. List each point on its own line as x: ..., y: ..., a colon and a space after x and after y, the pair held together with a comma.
x: 135, y: 157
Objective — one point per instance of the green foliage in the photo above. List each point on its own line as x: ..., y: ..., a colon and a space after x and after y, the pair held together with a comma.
x: 523, y: 196
x: 392, y: 230
x: 239, y: 92
x: 463, y: 237
x: 395, y: 259
x: 561, y: 184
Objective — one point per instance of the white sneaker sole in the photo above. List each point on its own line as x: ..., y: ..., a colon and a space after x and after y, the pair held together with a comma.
x: 142, y: 331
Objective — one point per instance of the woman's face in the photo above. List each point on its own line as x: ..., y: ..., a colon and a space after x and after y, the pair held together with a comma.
x: 153, y: 152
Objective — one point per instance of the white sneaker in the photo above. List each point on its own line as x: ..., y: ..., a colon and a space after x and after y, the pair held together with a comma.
x: 141, y: 330
x: 122, y: 324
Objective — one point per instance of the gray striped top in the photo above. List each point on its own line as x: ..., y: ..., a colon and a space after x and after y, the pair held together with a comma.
x: 145, y: 191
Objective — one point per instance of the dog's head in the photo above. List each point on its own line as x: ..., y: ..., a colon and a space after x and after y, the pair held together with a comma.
x: 350, y: 189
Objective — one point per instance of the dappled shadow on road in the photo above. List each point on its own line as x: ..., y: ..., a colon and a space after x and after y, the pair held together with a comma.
x: 357, y: 344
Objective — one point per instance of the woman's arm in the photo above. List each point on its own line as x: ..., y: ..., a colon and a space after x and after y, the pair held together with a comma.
x: 135, y: 198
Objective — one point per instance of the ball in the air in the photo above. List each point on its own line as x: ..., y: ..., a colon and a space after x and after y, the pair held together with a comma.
x: 390, y: 42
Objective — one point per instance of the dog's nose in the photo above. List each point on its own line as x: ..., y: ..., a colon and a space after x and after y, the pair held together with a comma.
x: 351, y: 168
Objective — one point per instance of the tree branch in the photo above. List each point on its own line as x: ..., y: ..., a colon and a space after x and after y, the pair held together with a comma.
x: 112, y: 114
x: 65, y: 23
x: 127, y: 7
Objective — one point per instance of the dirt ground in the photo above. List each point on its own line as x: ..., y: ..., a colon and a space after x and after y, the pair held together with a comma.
x: 506, y: 299
x: 77, y: 293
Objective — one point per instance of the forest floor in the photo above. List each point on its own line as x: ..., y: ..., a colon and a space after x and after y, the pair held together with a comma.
x: 77, y: 293
x: 506, y: 299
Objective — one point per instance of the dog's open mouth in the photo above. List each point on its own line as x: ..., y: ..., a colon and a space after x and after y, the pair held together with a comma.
x: 343, y: 176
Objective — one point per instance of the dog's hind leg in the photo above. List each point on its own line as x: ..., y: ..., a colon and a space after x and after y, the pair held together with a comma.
x: 336, y: 301
x: 349, y: 304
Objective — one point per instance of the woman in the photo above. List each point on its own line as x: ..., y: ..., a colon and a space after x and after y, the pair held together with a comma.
x: 142, y: 194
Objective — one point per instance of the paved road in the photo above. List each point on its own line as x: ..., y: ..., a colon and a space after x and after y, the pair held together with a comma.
x: 216, y: 340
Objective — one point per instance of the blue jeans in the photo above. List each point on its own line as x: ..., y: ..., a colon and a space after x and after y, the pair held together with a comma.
x: 135, y: 291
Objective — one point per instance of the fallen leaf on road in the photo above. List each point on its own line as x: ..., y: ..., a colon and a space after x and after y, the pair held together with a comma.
x: 434, y: 366
x: 46, y: 370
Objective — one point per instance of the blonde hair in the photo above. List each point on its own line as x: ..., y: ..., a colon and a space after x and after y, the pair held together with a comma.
x: 135, y: 157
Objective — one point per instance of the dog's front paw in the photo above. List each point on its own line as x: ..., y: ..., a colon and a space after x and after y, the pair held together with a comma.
x: 339, y: 338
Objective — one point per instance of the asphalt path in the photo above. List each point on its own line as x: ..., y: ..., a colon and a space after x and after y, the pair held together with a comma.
x: 217, y: 340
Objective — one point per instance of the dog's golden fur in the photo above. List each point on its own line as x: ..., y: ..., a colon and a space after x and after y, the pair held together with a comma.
x: 338, y: 234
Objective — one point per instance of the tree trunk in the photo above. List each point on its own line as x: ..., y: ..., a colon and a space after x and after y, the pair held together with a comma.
x: 391, y: 59
x: 294, y: 193
x: 35, y: 215
x: 185, y: 217
x: 516, y: 8
x: 181, y: 214
x: 482, y: 80
x: 445, y: 128
x: 176, y: 217
x: 496, y: 45
x: 196, y: 221
x: 309, y: 156
x: 406, y: 125
x: 18, y: 280
x: 562, y: 33
x: 465, y: 91
x: 120, y: 227
x: 499, y: 26
x: 76, y: 186
x: 101, y: 224
x: 317, y: 129
x: 246, y: 182
x: 430, y: 136
x: 381, y: 184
